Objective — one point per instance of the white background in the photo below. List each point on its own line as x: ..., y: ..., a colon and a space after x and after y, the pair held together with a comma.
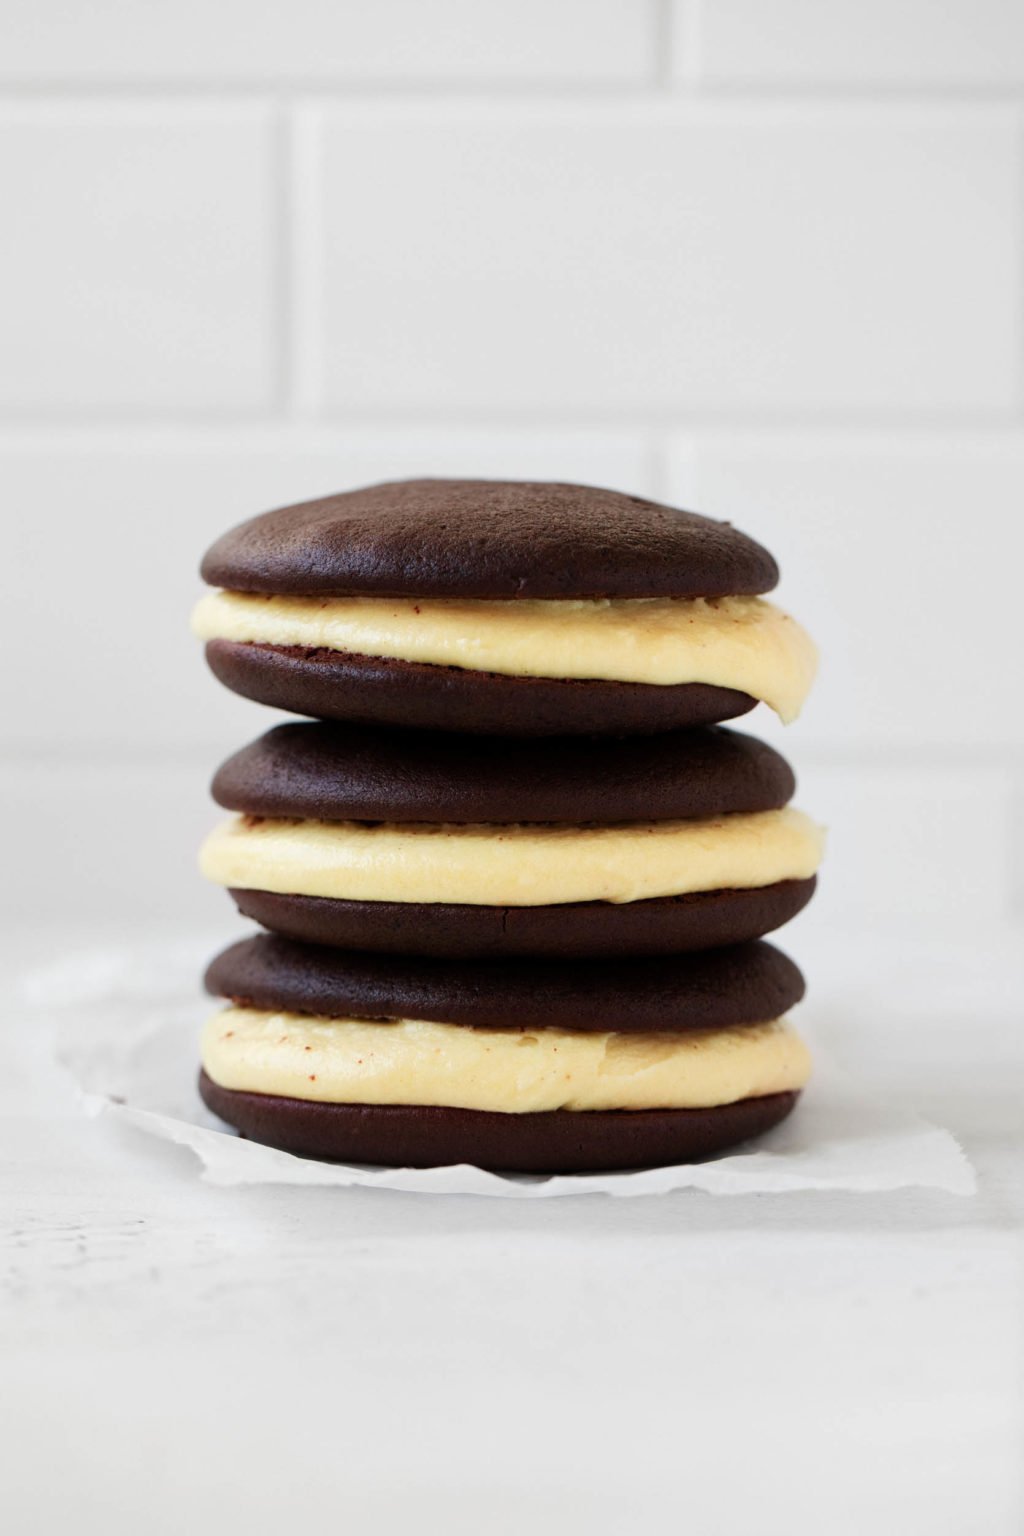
x: 762, y: 258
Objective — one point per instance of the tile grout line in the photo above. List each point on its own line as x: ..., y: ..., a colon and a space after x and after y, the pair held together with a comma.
x: 141, y: 92
x: 284, y: 260
x: 305, y: 296
x: 907, y: 424
x: 661, y: 28
x: 1018, y: 214
x: 689, y: 77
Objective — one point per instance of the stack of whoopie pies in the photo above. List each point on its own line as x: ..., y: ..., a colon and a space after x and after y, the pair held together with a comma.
x: 514, y: 874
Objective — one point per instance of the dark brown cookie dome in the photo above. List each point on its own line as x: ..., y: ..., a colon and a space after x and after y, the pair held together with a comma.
x: 717, y: 989
x: 664, y: 925
x: 357, y: 773
x: 487, y: 539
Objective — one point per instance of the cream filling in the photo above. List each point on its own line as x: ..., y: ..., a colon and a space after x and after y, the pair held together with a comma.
x: 408, y: 1061
x: 511, y: 866
x: 730, y: 642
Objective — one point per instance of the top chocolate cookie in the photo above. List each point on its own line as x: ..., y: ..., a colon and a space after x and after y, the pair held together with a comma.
x: 487, y: 539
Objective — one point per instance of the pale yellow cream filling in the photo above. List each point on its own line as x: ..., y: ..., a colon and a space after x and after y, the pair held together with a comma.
x: 409, y: 1061
x: 731, y: 642
x: 511, y: 866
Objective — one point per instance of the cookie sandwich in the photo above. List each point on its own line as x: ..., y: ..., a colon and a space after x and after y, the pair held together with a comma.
x: 498, y: 607
x: 535, y: 1066
x: 421, y: 843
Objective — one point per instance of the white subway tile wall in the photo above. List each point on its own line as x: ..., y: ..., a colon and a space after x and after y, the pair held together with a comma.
x: 348, y: 42
x: 660, y: 260
x: 901, y: 554
x: 137, y: 267
x: 760, y: 257
x: 898, y: 44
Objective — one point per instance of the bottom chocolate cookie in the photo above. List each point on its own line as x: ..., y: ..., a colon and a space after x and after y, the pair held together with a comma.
x: 558, y: 1141
x: 336, y: 685
x: 665, y: 925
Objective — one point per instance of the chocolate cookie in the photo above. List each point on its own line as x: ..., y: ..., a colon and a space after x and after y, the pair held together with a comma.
x: 487, y: 539
x: 335, y: 685
x: 358, y: 773
x: 749, y: 984
x: 498, y: 541
x: 560, y: 1141
x: 574, y: 930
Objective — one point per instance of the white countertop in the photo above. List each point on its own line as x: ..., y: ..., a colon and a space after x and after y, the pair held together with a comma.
x: 182, y: 1358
